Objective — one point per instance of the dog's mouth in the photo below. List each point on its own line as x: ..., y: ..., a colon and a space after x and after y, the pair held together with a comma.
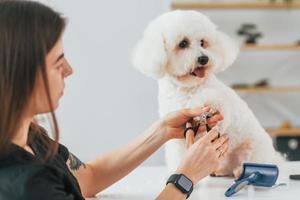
x: 199, y: 71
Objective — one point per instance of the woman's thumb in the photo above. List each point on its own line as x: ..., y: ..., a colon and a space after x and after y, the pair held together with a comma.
x: 193, y: 112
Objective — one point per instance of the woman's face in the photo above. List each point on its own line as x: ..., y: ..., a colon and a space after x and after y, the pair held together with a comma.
x: 57, y: 68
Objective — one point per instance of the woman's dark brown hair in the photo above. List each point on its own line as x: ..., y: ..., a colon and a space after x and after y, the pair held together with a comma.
x: 28, y: 31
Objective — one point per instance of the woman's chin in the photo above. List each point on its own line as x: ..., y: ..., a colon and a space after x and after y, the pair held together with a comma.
x: 48, y: 109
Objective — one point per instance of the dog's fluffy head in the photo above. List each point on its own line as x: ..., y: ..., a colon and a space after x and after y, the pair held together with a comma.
x: 184, y: 45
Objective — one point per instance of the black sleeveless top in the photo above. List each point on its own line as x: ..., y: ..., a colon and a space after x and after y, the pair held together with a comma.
x: 24, y: 176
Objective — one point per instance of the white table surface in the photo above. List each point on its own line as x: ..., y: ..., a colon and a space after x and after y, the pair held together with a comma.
x: 146, y: 183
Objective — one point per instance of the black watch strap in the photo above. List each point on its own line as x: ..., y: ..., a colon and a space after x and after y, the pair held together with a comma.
x: 181, y: 182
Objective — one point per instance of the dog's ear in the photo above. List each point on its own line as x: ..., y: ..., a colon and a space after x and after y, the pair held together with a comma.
x: 149, y: 55
x: 227, y: 49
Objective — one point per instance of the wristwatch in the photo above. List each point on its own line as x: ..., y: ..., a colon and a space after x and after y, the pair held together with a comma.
x: 181, y: 182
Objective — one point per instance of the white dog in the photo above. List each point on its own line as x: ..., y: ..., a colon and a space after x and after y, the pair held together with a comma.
x: 184, y: 50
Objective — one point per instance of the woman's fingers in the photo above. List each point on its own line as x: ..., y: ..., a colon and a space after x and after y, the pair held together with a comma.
x: 220, y: 141
x: 223, y: 148
x: 205, y: 108
x: 202, y: 127
x: 211, y: 135
x: 189, y: 113
x: 212, y: 122
x: 193, y: 112
x: 215, y: 118
x: 189, y: 136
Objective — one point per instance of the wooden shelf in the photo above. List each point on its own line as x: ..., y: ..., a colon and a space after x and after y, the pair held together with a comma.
x: 275, y: 47
x: 228, y: 5
x: 283, y: 131
x: 269, y: 89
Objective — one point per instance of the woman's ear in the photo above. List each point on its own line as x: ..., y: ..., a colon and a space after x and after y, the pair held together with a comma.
x: 227, y: 49
x: 149, y: 55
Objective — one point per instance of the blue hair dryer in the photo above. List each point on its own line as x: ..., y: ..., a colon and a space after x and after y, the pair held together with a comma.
x: 264, y: 175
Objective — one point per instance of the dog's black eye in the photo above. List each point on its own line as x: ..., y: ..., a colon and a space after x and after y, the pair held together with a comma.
x: 203, y: 43
x: 184, y: 44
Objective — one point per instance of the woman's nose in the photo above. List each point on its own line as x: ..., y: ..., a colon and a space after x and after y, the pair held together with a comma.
x: 68, y: 69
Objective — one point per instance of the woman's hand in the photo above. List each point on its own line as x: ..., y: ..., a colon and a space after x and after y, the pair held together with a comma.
x: 174, y: 122
x: 203, y: 157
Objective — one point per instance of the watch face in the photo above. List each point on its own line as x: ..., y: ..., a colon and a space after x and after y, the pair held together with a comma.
x: 185, y: 183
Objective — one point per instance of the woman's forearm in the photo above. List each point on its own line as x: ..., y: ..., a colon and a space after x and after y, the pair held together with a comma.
x: 113, y: 166
x: 171, y: 192
x: 97, y: 175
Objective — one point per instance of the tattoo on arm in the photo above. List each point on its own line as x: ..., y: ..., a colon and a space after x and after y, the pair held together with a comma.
x: 75, y: 163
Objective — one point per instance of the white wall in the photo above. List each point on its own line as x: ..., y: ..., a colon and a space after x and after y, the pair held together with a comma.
x: 107, y: 102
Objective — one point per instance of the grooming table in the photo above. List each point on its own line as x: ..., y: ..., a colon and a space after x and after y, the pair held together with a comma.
x: 145, y: 183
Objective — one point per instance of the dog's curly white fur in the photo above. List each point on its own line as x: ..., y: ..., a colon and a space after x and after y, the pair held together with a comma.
x: 184, y: 50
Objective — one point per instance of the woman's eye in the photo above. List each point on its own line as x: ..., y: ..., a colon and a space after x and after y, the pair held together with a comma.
x: 184, y: 44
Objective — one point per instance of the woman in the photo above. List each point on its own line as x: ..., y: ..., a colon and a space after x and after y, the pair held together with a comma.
x: 33, y: 166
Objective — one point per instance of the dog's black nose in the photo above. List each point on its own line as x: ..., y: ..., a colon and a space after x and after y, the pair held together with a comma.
x: 203, y: 60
